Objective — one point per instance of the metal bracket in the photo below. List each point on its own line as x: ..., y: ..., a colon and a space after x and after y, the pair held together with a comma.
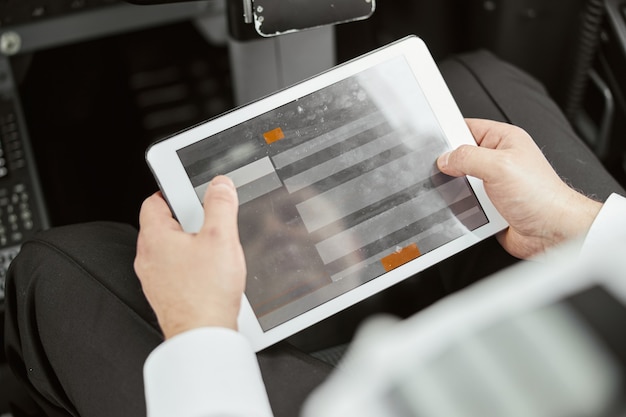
x: 247, y: 11
x: 597, y: 133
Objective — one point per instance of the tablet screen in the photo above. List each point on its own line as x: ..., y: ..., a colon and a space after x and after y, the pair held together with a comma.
x: 334, y: 189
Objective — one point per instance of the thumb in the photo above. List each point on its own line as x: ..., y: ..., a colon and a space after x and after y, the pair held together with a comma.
x: 467, y: 160
x: 221, y: 205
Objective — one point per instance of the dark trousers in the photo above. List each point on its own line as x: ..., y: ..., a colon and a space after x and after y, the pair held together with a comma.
x: 78, y: 327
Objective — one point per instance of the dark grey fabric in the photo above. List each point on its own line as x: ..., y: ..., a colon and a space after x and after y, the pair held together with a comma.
x: 78, y: 327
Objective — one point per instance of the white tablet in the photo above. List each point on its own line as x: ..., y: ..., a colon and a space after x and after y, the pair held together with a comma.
x: 339, y: 193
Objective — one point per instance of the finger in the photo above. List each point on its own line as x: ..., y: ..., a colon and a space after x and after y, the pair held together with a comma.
x: 496, y: 135
x: 221, y: 205
x: 155, y: 211
x: 480, y: 127
x: 468, y: 160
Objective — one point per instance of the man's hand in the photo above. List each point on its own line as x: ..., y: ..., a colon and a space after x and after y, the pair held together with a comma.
x: 541, y: 209
x: 192, y: 280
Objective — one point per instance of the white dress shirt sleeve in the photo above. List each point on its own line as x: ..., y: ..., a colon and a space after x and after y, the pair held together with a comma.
x: 610, y: 224
x: 205, y: 372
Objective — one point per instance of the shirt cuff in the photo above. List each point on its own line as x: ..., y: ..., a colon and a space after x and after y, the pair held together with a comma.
x: 609, y: 224
x: 205, y: 372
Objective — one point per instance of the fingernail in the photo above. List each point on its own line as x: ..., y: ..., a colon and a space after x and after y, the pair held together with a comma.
x: 442, y: 161
x: 222, y: 180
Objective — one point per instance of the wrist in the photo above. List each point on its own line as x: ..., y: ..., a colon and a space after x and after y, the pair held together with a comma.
x: 576, y: 216
x: 169, y: 331
x: 173, y: 325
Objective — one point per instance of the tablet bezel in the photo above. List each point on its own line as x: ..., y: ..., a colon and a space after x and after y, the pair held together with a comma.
x: 179, y: 192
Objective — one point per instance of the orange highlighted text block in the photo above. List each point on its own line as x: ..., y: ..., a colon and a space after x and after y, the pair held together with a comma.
x: 273, y: 135
x: 400, y: 257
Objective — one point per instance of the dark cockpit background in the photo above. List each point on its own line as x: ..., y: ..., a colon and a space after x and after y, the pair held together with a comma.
x: 87, y: 85
x: 93, y: 104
